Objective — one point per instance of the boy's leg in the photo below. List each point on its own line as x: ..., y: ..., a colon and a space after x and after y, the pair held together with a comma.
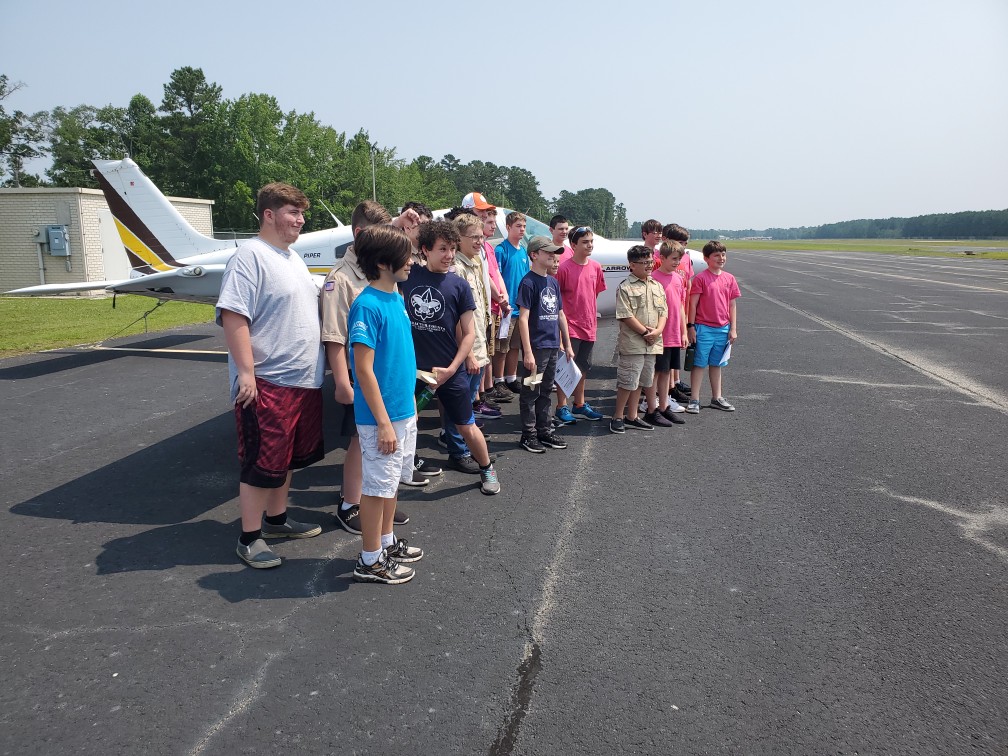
x: 372, y: 520
x: 662, y: 388
x: 511, y: 362
x: 622, y: 397
x: 696, y: 378
x: 254, y: 501
x: 579, y: 392
x: 714, y: 373
x: 546, y: 360
x: 351, y: 489
x: 632, y: 404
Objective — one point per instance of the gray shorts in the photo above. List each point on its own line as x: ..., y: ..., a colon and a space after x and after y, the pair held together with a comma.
x: 635, y: 371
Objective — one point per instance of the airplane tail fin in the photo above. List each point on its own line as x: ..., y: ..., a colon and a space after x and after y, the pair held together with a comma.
x: 153, y: 232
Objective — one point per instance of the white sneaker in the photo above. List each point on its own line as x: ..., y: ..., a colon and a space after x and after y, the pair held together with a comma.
x: 675, y: 408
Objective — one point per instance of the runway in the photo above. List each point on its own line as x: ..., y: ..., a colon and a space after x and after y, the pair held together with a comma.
x: 823, y: 570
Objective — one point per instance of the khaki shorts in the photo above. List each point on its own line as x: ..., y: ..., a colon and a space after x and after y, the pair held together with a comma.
x: 635, y: 371
x: 504, y: 345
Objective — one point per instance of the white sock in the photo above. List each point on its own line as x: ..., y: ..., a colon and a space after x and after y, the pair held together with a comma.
x: 498, y: 380
x: 370, y: 557
x: 510, y: 378
x: 345, y: 506
x: 387, y: 539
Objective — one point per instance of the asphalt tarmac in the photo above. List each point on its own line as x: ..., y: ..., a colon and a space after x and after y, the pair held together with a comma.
x: 822, y: 571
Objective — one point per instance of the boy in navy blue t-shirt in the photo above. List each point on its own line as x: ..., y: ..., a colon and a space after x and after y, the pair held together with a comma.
x: 438, y: 301
x: 543, y: 328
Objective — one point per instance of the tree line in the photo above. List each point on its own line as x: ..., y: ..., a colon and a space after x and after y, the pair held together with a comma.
x: 972, y: 224
x: 196, y: 143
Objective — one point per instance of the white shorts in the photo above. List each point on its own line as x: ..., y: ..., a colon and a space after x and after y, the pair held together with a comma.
x: 382, y: 472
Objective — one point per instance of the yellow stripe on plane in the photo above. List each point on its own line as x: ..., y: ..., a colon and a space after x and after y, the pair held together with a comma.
x: 141, y: 250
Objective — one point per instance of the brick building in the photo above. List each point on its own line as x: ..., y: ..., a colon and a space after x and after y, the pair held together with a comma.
x: 26, y: 213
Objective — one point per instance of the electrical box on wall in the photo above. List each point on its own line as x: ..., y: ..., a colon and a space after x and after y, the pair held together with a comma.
x: 58, y: 240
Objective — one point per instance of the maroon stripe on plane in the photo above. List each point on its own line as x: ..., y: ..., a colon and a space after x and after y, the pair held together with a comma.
x: 136, y: 263
x: 125, y: 215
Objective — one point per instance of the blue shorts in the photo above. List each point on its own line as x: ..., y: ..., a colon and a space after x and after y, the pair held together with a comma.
x: 710, y: 345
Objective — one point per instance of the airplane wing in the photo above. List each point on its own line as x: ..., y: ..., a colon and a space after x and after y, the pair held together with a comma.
x: 193, y: 283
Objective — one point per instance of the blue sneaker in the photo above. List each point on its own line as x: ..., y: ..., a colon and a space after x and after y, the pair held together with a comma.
x: 587, y: 411
x: 563, y: 414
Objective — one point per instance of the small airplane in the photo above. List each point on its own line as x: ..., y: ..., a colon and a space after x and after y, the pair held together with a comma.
x: 170, y: 260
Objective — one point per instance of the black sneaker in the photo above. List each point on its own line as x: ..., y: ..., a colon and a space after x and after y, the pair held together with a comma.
x: 674, y: 417
x: 657, y: 419
x: 418, y: 480
x: 531, y: 443
x: 500, y: 393
x: 349, y: 519
x: 466, y: 465
x: 617, y: 425
x: 639, y: 424
x: 515, y: 386
x: 680, y: 396
x: 402, y: 552
x: 426, y: 467
x: 683, y: 388
x: 553, y: 441
x: 385, y: 570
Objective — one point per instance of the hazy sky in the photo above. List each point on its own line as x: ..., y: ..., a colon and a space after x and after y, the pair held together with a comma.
x: 733, y: 114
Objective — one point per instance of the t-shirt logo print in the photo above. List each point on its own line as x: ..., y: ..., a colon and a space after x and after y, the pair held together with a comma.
x: 427, y: 303
x: 549, y: 301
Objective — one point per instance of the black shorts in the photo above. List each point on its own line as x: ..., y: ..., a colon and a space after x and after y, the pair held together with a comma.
x: 582, y: 354
x: 670, y: 359
x: 346, y: 423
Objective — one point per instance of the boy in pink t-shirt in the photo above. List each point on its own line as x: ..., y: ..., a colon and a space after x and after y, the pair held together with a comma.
x: 559, y: 228
x: 581, y: 281
x: 674, y: 333
x: 679, y: 390
x: 712, y: 325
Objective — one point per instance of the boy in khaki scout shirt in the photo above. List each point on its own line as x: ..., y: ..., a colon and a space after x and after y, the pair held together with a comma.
x: 641, y: 309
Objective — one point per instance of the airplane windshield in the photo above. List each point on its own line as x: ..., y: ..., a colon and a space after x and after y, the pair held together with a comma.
x: 533, y: 227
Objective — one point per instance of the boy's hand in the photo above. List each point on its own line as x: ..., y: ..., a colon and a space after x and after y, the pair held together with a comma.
x: 247, y: 391
x: 569, y: 351
x: 442, y: 375
x: 386, y: 438
x: 344, y: 392
x: 529, y: 362
x: 732, y: 336
x: 505, y: 308
x: 472, y: 366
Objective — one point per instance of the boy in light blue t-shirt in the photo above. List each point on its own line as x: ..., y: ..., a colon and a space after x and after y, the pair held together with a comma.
x: 384, y: 369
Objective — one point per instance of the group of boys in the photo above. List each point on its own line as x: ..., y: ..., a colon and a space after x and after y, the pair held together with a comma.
x: 418, y: 304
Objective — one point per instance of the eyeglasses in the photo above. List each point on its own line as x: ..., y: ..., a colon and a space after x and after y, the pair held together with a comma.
x: 583, y: 230
x: 474, y: 236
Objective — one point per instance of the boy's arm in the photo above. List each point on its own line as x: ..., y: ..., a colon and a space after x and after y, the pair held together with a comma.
x: 368, y: 384
x: 565, y: 337
x: 682, y: 324
x: 466, y: 326
x: 691, y: 319
x: 636, y: 326
x: 239, y: 342
x: 732, y: 332
x: 336, y: 356
x: 528, y: 359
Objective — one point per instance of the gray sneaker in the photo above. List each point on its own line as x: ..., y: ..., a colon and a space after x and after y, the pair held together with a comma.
x: 290, y: 529
x: 488, y: 481
x: 257, y: 554
x: 693, y: 407
x: 386, y: 570
x: 722, y: 404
